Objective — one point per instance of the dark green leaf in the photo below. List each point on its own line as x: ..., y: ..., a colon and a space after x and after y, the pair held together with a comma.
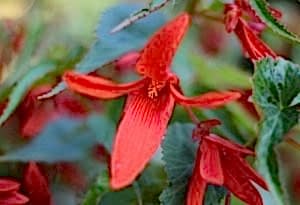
x: 66, y: 139
x: 179, y: 152
x: 276, y: 84
x: 261, y: 8
x: 109, y: 47
x: 23, y: 86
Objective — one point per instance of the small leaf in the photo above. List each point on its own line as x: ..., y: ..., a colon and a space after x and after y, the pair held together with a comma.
x: 179, y: 153
x: 97, y: 190
x: 261, y: 8
x: 276, y: 84
x: 64, y: 140
x: 23, y: 86
x: 108, y: 47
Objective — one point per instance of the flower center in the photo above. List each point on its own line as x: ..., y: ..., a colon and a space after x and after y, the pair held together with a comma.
x: 154, y: 88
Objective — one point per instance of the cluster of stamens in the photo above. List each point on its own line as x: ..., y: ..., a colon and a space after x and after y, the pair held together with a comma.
x: 154, y: 88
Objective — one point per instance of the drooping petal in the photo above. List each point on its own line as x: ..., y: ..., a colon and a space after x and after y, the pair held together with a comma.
x: 228, y: 145
x: 251, y: 173
x: 7, y: 185
x: 98, y: 86
x: 157, y: 56
x: 207, y: 100
x: 139, y: 134
x: 36, y: 185
x: 196, y: 190
x: 13, y: 198
x: 210, y: 163
x: 238, y: 182
x: 251, y: 43
x: 197, y: 185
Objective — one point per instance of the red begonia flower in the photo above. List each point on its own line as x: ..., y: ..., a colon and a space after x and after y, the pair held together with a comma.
x: 35, y: 185
x: 35, y: 114
x: 253, y: 46
x: 221, y: 162
x: 9, y: 193
x: 149, y: 104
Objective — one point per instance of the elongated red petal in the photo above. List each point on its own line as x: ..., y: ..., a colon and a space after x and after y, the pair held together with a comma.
x: 36, y: 185
x: 251, y: 173
x: 228, y: 145
x: 98, y: 86
x: 139, y: 134
x: 251, y: 43
x: 13, y: 198
x: 197, y: 185
x: 7, y: 185
x: 207, y: 100
x: 210, y: 163
x: 158, y: 53
x: 196, y: 191
x: 238, y: 182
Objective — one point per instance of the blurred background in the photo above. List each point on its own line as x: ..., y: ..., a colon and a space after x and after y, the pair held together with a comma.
x: 63, y: 30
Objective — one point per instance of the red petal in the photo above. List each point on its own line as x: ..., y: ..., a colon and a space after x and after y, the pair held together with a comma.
x: 228, y: 145
x: 35, y: 121
x: 72, y: 174
x: 36, y: 186
x: 232, y: 14
x: 254, y: 46
x: 139, y: 134
x: 210, y: 163
x: 251, y: 173
x: 7, y: 185
x: 207, y: 100
x: 127, y: 61
x: 238, y: 182
x: 67, y: 103
x: 197, y: 185
x: 98, y: 86
x: 158, y: 54
x: 196, y: 191
x: 13, y: 198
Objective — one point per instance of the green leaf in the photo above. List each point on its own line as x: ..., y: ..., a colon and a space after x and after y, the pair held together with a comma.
x: 23, y: 86
x: 296, y: 100
x: 261, y: 9
x: 66, y: 139
x: 276, y: 84
x: 97, y: 190
x: 108, y: 47
x: 21, y: 64
x: 179, y: 153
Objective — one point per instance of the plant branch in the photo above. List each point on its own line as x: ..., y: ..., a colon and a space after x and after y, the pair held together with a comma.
x: 139, y: 15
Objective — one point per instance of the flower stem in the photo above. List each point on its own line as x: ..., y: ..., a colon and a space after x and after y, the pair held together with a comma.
x: 192, y: 115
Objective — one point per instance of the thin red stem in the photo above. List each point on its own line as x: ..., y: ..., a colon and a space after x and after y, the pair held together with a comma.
x: 192, y: 115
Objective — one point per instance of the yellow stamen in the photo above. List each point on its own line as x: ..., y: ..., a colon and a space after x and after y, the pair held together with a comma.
x: 154, y: 88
